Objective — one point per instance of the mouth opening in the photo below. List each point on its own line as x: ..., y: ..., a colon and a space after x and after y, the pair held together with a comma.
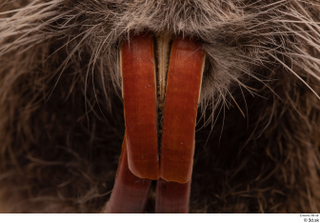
x: 162, y: 50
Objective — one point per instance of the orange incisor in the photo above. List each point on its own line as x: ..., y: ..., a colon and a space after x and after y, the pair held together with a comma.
x: 139, y: 158
x: 139, y: 94
x: 180, y: 111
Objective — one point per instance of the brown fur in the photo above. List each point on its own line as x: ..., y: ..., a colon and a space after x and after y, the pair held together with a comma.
x: 61, y: 117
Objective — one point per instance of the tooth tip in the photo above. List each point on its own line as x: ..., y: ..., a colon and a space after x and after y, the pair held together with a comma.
x: 176, y: 177
x: 150, y: 173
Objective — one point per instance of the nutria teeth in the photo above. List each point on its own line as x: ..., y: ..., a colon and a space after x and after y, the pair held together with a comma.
x: 61, y: 112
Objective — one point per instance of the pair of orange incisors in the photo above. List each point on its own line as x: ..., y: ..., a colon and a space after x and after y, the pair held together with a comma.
x: 140, y: 161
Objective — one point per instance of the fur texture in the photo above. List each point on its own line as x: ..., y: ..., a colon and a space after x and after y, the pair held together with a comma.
x: 61, y: 116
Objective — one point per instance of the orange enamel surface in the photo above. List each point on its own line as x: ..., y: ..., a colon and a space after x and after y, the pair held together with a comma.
x: 181, y: 103
x: 129, y: 193
x: 139, y: 93
x: 172, y: 197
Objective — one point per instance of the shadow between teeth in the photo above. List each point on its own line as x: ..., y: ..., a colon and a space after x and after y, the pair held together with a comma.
x: 139, y: 161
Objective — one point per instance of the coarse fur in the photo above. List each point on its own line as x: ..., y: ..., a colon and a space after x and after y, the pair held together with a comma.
x: 61, y: 114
